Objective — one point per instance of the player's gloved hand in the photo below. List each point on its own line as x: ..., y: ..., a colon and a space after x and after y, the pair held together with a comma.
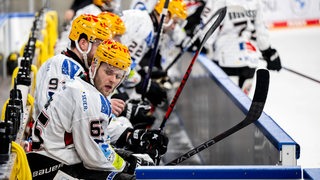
x: 120, y: 94
x: 134, y: 160
x: 154, y: 92
x: 158, y: 73
x: 152, y: 142
x: 161, y: 78
x: 272, y: 57
x: 138, y: 112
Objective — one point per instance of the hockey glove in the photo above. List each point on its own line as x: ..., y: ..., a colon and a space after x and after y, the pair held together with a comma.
x: 138, y: 112
x: 120, y: 94
x: 272, y: 57
x: 134, y: 160
x: 152, y: 142
x: 154, y: 93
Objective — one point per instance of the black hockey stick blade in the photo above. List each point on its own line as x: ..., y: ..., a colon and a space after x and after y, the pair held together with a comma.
x: 222, y: 14
x: 255, y: 111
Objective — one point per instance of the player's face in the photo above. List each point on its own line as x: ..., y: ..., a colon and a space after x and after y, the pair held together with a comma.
x: 108, y: 78
x: 170, y: 23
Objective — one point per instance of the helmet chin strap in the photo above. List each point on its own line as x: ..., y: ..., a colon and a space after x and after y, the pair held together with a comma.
x: 168, y: 24
x: 84, y: 54
x: 93, y: 74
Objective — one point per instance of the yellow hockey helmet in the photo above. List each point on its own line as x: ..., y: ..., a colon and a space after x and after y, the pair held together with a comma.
x: 176, y: 8
x: 91, y: 26
x: 113, y: 22
x: 113, y: 53
x: 99, y: 2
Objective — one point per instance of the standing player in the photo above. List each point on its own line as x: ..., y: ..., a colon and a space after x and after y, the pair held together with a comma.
x: 241, y: 41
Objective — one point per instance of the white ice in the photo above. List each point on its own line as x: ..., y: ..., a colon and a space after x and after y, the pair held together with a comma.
x: 294, y: 101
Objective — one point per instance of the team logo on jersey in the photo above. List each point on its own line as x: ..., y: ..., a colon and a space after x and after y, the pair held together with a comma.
x: 105, y: 105
x: 149, y: 39
x: 107, y: 151
x: 247, y: 46
x: 69, y: 68
x: 248, y: 54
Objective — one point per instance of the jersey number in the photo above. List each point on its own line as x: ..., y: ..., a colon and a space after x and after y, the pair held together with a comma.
x: 96, y: 129
x: 135, y: 49
x: 53, y: 83
x: 243, y: 25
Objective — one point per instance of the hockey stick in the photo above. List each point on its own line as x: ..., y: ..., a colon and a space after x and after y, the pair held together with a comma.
x: 300, y: 74
x: 222, y: 13
x: 192, y: 40
x: 155, y: 48
x: 255, y: 110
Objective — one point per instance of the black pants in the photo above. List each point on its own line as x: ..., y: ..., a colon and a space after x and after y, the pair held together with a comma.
x: 45, y: 168
x: 242, y: 72
x: 80, y: 172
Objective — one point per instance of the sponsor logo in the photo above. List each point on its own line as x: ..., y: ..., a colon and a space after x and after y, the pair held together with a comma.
x: 46, y: 170
x: 84, y: 101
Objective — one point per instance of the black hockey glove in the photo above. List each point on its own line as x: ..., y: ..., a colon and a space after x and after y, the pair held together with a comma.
x: 158, y: 73
x: 121, y: 94
x: 134, y: 160
x: 152, y: 142
x: 154, y: 93
x: 138, y: 112
x: 272, y: 57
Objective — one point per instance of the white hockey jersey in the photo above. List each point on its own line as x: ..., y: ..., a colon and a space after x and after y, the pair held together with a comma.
x: 143, y: 5
x: 139, y: 33
x: 71, y: 128
x: 90, y: 9
x: 242, y: 33
x: 51, y: 77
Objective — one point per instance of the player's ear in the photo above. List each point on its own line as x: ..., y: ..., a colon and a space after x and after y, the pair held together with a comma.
x: 83, y: 43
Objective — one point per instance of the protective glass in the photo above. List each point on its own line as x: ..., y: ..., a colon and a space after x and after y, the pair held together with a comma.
x: 114, y: 71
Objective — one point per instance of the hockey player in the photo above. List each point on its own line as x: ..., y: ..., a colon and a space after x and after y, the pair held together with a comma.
x: 71, y: 128
x: 241, y: 41
x: 136, y: 111
x: 139, y: 41
x: 86, y: 34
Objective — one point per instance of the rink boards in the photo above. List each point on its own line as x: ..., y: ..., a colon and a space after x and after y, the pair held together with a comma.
x: 226, y: 172
x: 210, y: 104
